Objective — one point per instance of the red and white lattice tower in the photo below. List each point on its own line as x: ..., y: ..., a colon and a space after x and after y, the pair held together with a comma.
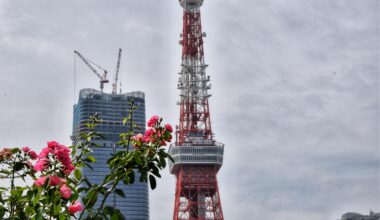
x: 197, y: 156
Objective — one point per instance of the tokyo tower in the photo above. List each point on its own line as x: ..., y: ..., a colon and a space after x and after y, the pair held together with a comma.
x: 197, y: 156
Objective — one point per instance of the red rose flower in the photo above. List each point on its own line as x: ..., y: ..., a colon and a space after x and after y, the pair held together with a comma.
x: 54, y: 180
x: 41, y: 164
x: 32, y: 155
x: 52, y: 144
x: 152, y: 121
x: 40, y: 181
x: 65, y: 192
x: 75, y: 207
x: 25, y: 149
x: 169, y: 128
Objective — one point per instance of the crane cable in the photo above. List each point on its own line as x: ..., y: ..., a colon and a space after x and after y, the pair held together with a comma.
x: 95, y: 64
x: 75, y: 75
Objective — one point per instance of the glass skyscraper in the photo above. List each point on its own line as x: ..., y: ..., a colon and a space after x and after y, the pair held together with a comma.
x: 112, y: 108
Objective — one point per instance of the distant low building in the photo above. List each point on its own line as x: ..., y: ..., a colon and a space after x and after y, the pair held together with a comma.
x: 357, y: 216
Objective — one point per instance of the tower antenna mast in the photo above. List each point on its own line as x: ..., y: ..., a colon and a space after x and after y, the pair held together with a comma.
x: 103, y: 78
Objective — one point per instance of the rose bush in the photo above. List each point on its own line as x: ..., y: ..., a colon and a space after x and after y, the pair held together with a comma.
x: 60, y: 191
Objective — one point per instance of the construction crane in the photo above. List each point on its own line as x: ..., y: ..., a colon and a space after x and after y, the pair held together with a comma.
x: 114, y: 84
x: 103, y: 78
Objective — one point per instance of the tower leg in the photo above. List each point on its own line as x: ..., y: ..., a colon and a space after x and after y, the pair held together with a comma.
x: 197, y: 194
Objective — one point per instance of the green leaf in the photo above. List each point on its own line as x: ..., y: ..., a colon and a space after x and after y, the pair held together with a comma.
x: 171, y: 158
x: 18, y: 166
x: 2, y: 211
x: 36, y: 199
x: 90, y: 159
x: 15, y: 150
x: 120, y: 193
x: 77, y: 174
x: 143, y: 177
x: 115, y: 216
x: 39, y: 215
x: 74, y: 197
x: 162, y: 162
x: 125, y: 120
x: 126, y: 179
x: 137, y: 157
x: 74, y: 152
x: 146, y: 153
x: 62, y: 216
x: 108, y: 210
x: 28, y: 211
x: 123, y: 136
x: 103, y: 190
x: 152, y: 182
x: 57, y: 209
x: 80, y: 164
x: 92, y: 197
x: 17, y: 192
x: 108, y: 178
x: 155, y: 171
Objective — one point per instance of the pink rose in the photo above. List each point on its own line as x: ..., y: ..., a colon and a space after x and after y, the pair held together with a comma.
x: 169, y: 128
x: 68, y: 168
x: 54, y: 180
x: 63, y: 156
x: 75, y: 207
x: 45, y: 152
x: 152, y: 121
x: 52, y: 144
x: 148, y: 136
x: 62, y: 148
x: 25, y: 149
x: 32, y: 155
x: 40, y: 181
x: 65, y: 192
x: 62, y: 182
x: 41, y: 164
x: 137, y: 140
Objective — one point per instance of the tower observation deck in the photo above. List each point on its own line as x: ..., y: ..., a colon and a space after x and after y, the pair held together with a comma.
x: 197, y: 156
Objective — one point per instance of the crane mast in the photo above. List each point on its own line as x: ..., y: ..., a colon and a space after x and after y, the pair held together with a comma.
x: 114, y: 84
x: 103, y: 78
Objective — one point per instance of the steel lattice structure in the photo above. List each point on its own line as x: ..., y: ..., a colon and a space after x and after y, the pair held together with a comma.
x: 197, y: 156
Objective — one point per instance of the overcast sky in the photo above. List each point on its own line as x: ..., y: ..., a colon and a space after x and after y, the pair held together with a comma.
x: 295, y: 91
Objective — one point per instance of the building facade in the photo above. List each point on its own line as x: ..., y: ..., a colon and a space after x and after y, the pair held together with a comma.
x: 357, y: 216
x: 112, y: 108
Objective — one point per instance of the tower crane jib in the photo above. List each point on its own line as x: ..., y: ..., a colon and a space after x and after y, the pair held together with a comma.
x: 103, y: 77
